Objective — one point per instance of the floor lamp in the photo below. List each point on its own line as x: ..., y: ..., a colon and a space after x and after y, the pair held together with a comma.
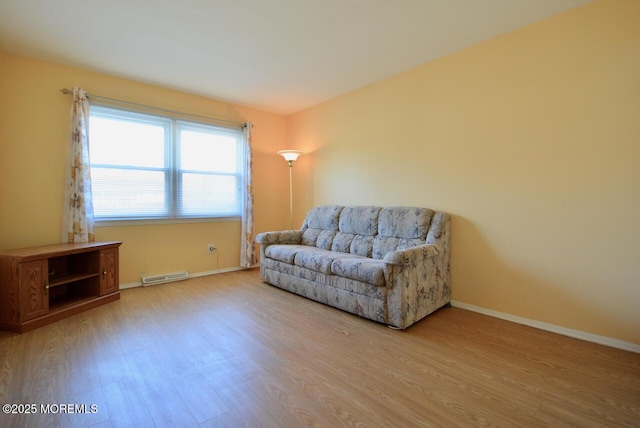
x: 290, y: 156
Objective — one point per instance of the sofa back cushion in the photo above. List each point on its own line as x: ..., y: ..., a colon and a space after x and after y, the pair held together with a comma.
x: 366, y: 230
x: 359, y: 220
x: 357, y: 227
x: 404, y: 222
x: 321, y: 225
x: 400, y: 228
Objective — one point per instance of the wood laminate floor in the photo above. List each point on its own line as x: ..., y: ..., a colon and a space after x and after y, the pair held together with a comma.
x: 230, y: 351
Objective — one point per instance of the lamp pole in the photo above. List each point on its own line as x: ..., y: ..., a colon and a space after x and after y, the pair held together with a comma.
x: 291, y: 193
x: 290, y: 156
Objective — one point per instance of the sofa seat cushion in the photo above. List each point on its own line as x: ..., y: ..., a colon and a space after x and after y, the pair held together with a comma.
x: 318, y: 259
x: 361, y: 269
x: 283, y: 253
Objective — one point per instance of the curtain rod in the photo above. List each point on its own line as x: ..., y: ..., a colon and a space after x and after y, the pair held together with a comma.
x: 160, y: 109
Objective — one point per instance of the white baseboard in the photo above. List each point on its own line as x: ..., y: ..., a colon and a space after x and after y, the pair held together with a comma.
x: 576, y: 334
x: 217, y: 271
x: 191, y: 275
x: 130, y: 285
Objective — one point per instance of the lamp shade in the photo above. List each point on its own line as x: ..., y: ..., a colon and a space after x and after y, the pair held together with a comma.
x: 290, y: 155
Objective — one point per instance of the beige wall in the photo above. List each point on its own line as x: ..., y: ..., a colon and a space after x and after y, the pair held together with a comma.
x: 531, y: 141
x: 34, y: 118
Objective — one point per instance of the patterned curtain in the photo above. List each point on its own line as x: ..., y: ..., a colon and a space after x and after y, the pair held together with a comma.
x: 77, y: 215
x: 247, y: 249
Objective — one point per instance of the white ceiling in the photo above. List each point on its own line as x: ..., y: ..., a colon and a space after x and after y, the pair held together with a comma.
x: 276, y: 55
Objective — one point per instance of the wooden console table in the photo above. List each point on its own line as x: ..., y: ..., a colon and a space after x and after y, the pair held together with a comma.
x: 41, y: 285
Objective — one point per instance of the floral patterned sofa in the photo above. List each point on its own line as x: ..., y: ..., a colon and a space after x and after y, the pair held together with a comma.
x: 390, y: 265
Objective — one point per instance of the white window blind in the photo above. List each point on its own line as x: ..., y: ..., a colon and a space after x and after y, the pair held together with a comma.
x: 153, y: 167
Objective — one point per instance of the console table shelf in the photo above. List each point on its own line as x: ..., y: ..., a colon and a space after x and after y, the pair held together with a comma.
x: 55, y: 280
x: 41, y: 285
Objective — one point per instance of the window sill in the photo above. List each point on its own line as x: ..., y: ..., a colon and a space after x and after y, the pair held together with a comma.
x: 144, y: 222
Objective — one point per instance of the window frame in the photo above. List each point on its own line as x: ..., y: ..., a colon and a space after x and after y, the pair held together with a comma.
x: 173, y: 173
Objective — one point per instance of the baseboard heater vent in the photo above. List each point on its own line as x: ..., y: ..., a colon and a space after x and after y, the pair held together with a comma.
x: 167, y: 277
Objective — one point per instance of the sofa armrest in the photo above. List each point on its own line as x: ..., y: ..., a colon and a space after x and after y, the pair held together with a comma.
x: 418, y: 283
x: 411, y: 255
x: 280, y: 237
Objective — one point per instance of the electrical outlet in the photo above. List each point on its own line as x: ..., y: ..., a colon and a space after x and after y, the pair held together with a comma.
x: 210, y: 248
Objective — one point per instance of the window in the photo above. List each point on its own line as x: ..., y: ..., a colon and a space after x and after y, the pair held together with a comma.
x: 153, y: 167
